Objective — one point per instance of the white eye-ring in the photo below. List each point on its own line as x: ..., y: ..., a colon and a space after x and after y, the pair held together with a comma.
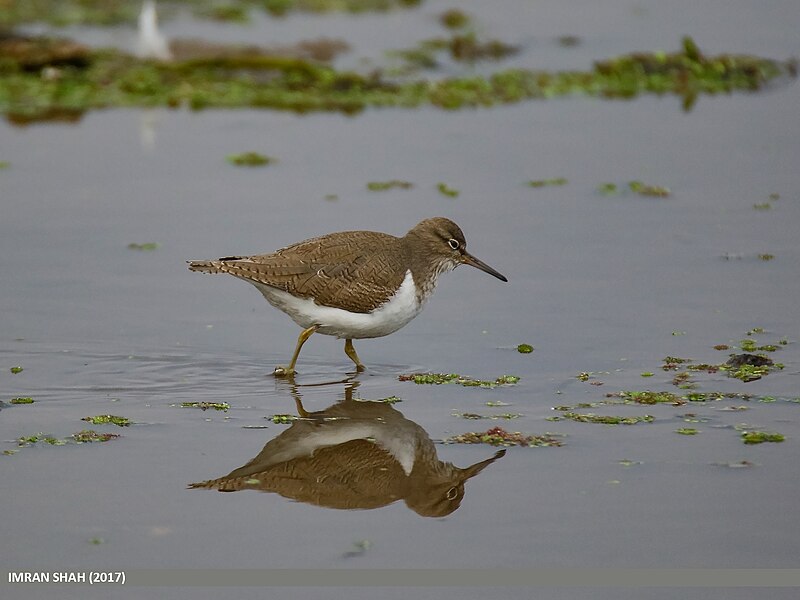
x: 453, y: 243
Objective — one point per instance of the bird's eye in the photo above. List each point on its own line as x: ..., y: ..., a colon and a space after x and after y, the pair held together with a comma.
x: 452, y: 493
x: 453, y: 243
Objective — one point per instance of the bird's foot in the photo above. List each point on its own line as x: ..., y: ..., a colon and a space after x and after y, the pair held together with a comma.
x: 282, y: 371
x: 350, y: 350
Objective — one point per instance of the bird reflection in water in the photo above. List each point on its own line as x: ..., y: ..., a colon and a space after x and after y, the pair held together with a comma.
x: 355, y: 454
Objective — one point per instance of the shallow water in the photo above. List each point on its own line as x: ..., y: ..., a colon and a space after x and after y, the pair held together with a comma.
x: 603, y: 285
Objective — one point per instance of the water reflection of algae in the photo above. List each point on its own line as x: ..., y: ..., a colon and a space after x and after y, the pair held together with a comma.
x: 354, y: 454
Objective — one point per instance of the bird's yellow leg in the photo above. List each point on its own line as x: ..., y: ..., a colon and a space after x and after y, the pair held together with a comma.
x: 282, y: 371
x: 301, y: 410
x: 350, y: 350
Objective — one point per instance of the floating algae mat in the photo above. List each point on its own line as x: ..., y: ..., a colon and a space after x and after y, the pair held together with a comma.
x: 466, y: 381
x: 63, y: 83
x: 103, y: 12
x: 497, y: 436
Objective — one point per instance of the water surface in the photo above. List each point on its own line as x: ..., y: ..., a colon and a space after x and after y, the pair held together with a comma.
x: 602, y: 285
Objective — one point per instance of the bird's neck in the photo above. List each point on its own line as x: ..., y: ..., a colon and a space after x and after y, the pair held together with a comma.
x: 425, y: 266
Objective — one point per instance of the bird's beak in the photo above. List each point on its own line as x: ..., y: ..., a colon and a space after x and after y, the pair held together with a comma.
x: 468, y: 259
x: 473, y: 470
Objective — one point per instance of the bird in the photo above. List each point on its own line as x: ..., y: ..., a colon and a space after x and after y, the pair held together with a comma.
x: 356, y: 454
x: 151, y: 42
x: 353, y: 284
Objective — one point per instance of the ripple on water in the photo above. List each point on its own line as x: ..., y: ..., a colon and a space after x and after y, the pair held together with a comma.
x: 72, y: 374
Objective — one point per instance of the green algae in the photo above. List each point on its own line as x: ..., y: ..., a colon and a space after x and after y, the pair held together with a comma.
x: 648, y: 397
x: 226, y: 12
x: 748, y: 373
x: 524, y: 348
x: 69, y: 12
x: 81, y: 437
x: 108, y: 78
x: 145, y: 247
x: 117, y: 12
x: 497, y: 436
x: 382, y: 186
x: 282, y: 7
x: 748, y: 345
x: 683, y: 380
x: 282, y: 419
x: 108, y: 419
x: 44, y: 438
x: 745, y: 367
x: 443, y: 378
x: 761, y: 437
x: 713, y: 396
x: 750, y: 367
x: 705, y: 367
x: 386, y: 400
x: 389, y: 400
x: 636, y: 187
x: 604, y: 419
x: 671, y: 362
x: 459, y: 47
x: 477, y: 416
x: 555, y: 181
x: 607, y: 189
x: 16, y: 370
x: 23, y: 400
x: 87, y: 436
x: 569, y: 408
x: 454, y: 19
x: 467, y: 47
x: 651, y: 397
x: 249, y: 159
x: 446, y: 190
x: 644, y: 189
x: 687, y: 431
x: 768, y: 348
x: 223, y: 406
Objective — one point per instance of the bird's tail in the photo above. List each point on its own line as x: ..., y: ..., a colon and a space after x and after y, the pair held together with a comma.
x: 210, y: 266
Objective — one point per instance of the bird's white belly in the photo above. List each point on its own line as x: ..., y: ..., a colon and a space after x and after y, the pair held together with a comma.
x: 386, y: 319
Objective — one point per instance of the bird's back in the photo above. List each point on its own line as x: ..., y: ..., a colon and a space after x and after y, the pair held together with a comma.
x: 354, y: 270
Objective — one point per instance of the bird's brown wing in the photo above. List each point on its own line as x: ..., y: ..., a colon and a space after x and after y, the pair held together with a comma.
x: 357, y: 270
